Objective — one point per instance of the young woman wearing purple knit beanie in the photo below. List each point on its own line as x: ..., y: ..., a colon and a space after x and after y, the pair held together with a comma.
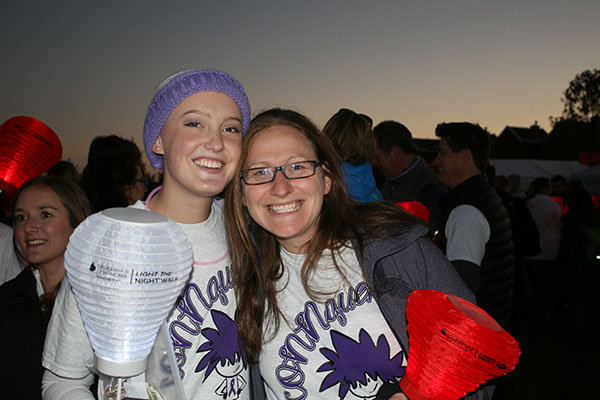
x: 192, y: 132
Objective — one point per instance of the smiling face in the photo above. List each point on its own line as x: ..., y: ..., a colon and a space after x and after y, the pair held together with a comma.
x: 288, y: 209
x: 228, y: 369
x: 449, y: 165
x: 201, y: 144
x: 368, y: 390
x: 42, y: 226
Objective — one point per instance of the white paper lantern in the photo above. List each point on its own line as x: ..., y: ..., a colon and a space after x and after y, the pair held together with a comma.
x: 126, y: 266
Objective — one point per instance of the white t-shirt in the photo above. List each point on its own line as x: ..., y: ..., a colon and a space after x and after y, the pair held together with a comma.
x: 467, y: 232
x: 202, y: 324
x: 546, y: 214
x: 337, y: 348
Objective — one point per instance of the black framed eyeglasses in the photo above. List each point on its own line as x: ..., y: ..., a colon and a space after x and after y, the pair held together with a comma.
x: 295, y: 170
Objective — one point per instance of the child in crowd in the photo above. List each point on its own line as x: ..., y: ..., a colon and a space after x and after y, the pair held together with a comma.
x: 352, y: 137
x: 193, y: 132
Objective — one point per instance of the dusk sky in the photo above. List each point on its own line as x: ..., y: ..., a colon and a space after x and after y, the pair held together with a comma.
x: 90, y: 68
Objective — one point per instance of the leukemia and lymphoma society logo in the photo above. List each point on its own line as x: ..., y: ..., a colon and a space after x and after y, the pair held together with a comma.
x: 131, y: 276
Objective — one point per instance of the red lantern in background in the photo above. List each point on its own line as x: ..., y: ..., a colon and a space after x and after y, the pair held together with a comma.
x: 454, y: 346
x: 415, y: 208
x: 28, y: 148
x: 564, y: 208
x: 596, y: 201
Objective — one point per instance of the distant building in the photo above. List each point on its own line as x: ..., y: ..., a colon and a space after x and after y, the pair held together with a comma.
x: 517, y: 142
x: 569, y: 139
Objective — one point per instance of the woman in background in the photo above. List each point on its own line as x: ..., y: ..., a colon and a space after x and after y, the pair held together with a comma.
x: 352, y: 137
x: 193, y: 135
x: 46, y: 211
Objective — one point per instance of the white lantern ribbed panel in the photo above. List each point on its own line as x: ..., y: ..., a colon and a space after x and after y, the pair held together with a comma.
x: 126, y: 266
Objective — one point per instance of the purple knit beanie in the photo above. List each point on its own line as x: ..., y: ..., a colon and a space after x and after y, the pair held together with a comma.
x: 175, y: 89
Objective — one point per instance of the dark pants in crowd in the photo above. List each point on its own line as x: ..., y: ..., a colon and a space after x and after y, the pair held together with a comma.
x: 544, y: 278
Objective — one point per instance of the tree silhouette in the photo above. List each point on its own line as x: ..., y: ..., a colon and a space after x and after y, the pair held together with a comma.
x: 582, y: 98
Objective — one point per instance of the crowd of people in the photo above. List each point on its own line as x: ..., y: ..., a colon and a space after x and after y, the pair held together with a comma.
x: 315, y: 257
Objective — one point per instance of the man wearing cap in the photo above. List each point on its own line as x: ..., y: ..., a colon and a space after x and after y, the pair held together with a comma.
x: 478, y: 237
x: 407, y: 175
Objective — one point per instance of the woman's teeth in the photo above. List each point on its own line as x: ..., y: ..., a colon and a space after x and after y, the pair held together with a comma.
x: 208, y: 163
x: 284, y: 208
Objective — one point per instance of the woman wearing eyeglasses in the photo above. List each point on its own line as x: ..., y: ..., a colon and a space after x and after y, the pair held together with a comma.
x: 321, y: 280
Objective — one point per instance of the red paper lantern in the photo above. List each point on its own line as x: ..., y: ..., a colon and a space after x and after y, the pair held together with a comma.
x: 564, y: 208
x: 28, y: 148
x: 454, y: 346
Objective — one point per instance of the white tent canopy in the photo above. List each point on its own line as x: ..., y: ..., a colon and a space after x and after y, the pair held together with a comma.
x: 526, y: 168
x: 529, y: 170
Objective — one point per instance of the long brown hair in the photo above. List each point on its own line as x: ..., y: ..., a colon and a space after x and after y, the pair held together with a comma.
x: 351, y: 135
x: 78, y: 208
x: 255, y: 252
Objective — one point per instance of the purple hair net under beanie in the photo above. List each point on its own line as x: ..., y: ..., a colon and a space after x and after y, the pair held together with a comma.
x: 175, y: 89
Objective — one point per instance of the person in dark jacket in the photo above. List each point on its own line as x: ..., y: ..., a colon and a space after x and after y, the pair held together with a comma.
x: 579, y: 261
x: 526, y: 242
x: 321, y: 278
x: 46, y: 211
x: 407, y: 175
x: 478, y: 238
